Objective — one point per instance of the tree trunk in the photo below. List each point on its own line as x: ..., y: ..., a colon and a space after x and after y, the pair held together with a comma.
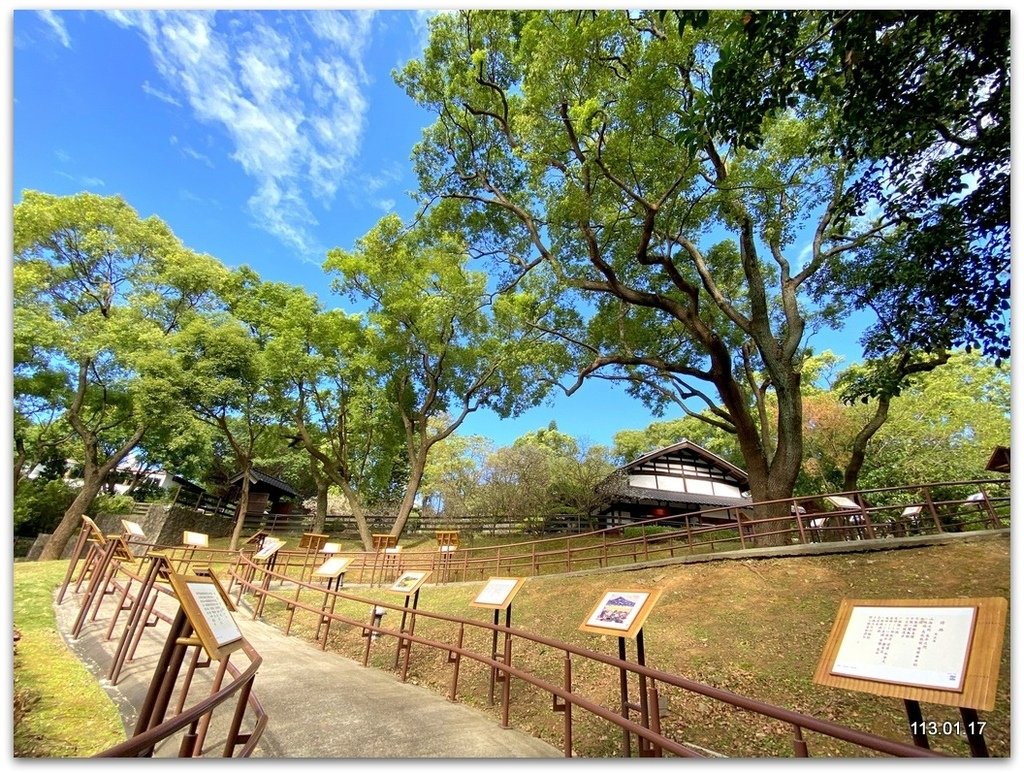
x: 243, y: 507
x: 858, y: 450
x: 320, y: 518
x: 411, y: 488
x: 72, y: 518
x: 93, y: 477
x: 20, y: 457
x: 357, y: 514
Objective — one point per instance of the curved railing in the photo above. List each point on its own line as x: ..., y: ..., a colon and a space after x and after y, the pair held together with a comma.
x: 113, y: 573
x: 239, y: 689
x: 894, y: 512
x: 258, y: 582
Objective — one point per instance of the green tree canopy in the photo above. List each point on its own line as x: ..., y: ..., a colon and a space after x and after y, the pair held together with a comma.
x: 100, y: 295
x: 579, y: 144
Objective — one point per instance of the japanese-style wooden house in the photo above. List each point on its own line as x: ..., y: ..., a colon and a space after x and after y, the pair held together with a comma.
x: 266, y: 493
x: 675, y: 480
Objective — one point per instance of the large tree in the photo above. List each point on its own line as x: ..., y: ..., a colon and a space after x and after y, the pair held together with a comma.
x: 332, y: 406
x: 924, y: 97
x: 439, y: 343
x: 580, y: 143
x: 100, y: 295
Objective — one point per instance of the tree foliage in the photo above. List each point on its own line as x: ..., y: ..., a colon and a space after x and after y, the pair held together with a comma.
x: 943, y: 426
x: 440, y: 344
x: 99, y: 295
x: 923, y: 100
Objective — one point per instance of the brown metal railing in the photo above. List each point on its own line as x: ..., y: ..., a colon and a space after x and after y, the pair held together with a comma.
x: 798, y: 520
x: 239, y: 689
x: 258, y: 581
x: 106, y: 572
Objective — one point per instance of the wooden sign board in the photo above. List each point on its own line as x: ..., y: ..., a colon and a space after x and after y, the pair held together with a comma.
x: 312, y: 541
x: 498, y: 593
x: 122, y: 551
x: 621, y: 612
x: 94, y: 530
x: 945, y: 651
x: 195, y: 539
x: 164, y: 567
x: 133, y: 529
x: 333, y: 568
x: 409, y: 581
x: 209, y: 615
x: 269, y: 549
x: 257, y: 537
x: 331, y: 548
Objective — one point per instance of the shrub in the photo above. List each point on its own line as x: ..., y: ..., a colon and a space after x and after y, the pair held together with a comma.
x: 39, y: 505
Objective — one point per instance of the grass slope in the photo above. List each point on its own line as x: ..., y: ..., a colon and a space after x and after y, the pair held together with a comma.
x: 754, y: 627
x: 59, y: 709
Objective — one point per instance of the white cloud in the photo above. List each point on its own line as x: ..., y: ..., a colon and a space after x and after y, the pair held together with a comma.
x: 287, y: 90
x: 56, y: 24
x: 194, y: 154
x: 152, y: 91
x: 86, y: 181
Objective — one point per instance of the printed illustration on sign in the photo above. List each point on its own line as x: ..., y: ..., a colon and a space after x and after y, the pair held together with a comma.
x: 617, y: 610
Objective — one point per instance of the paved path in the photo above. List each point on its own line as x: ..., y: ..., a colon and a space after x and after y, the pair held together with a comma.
x: 320, y: 705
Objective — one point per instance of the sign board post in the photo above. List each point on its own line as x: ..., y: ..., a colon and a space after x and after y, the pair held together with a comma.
x: 408, y: 584
x: 112, y: 552
x: 165, y: 675
x: 623, y: 613
x: 268, y: 556
x: 333, y: 570
x: 447, y: 546
x: 138, y: 614
x: 385, y: 555
x: 497, y: 595
x: 943, y: 651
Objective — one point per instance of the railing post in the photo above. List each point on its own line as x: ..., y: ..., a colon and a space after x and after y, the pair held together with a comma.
x: 988, y: 507
x: 799, y: 744
x: 795, y: 508
x: 739, y: 528
x: 654, y: 709
x: 931, y: 509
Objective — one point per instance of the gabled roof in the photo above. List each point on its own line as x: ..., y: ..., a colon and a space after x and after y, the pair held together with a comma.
x: 255, y: 475
x: 999, y: 461
x: 697, y: 449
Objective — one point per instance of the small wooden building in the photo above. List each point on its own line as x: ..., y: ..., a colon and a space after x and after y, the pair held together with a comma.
x: 999, y: 460
x: 266, y: 493
x: 676, y: 479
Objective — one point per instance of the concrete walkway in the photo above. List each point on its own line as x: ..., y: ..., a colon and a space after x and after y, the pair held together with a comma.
x: 320, y: 705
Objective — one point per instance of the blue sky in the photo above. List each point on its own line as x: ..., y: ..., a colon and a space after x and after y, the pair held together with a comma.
x: 261, y: 138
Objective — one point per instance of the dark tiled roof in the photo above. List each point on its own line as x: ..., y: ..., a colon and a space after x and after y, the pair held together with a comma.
x: 259, y: 476
x: 999, y: 461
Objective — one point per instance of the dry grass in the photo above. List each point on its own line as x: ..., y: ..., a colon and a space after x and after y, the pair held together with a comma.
x: 753, y: 627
